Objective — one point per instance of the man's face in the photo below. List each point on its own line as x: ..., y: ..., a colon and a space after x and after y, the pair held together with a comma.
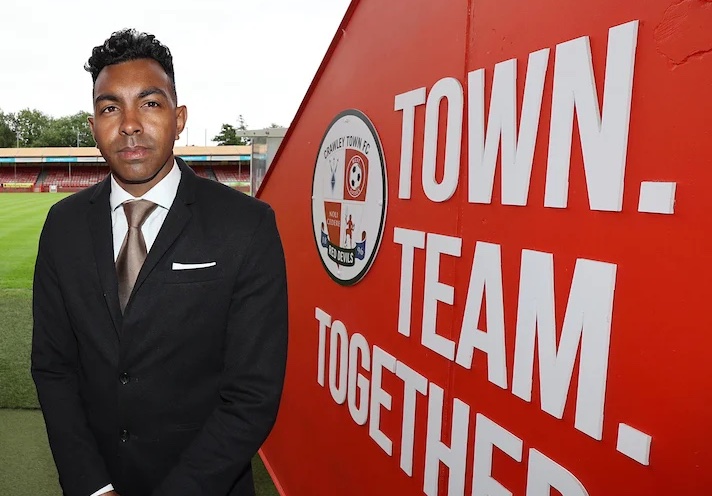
x: 136, y: 122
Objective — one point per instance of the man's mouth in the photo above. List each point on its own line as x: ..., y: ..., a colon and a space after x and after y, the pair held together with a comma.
x: 133, y: 152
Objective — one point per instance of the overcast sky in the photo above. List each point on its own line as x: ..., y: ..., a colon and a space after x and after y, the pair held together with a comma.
x: 250, y: 57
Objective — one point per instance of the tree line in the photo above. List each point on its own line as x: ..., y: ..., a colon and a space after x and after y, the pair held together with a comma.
x: 33, y: 128
x: 228, y: 134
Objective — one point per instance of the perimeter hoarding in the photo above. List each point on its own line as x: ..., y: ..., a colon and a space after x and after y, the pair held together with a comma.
x: 495, y: 220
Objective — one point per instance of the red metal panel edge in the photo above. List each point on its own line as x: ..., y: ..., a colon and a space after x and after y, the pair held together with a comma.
x: 272, y: 473
x: 327, y: 57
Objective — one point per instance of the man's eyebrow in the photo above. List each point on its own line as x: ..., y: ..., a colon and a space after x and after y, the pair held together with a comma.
x: 152, y: 91
x: 105, y: 98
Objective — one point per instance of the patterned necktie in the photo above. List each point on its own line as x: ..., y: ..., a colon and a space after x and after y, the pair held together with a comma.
x: 133, y: 250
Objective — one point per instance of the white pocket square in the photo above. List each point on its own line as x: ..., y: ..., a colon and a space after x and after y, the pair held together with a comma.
x: 182, y: 266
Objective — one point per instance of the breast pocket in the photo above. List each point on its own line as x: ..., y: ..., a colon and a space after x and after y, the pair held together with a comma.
x: 186, y: 276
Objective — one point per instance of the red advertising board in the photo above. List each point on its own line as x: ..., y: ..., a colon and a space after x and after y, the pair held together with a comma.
x: 494, y: 216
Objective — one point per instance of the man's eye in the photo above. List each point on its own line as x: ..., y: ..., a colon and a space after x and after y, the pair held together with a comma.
x: 108, y: 109
x: 152, y: 104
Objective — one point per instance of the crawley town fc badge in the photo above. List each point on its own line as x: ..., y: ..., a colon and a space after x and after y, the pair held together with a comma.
x: 349, y: 197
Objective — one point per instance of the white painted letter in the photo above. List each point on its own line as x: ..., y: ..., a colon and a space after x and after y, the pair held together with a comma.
x: 413, y: 383
x: 604, y: 140
x: 485, y: 279
x: 517, y: 154
x: 324, y: 322
x: 409, y: 240
x: 436, y: 451
x: 407, y: 103
x: 339, y: 350
x: 379, y: 398
x: 436, y: 291
x: 451, y: 89
x: 487, y: 436
x: 357, y: 382
x: 544, y: 473
x: 587, y: 320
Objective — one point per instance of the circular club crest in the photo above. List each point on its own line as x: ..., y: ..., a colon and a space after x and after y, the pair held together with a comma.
x: 349, y: 197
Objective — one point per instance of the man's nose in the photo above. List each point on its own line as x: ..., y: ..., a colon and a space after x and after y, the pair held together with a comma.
x: 131, y: 123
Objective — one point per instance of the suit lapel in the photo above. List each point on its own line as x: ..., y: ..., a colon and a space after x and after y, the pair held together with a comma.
x: 99, y: 218
x: 178, y: 217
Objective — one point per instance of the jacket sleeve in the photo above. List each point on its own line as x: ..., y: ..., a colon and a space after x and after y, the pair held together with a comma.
x: 253, y: 375
x: 81, y: 468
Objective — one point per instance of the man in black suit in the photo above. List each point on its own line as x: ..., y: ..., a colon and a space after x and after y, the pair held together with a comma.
x: 160, y: 305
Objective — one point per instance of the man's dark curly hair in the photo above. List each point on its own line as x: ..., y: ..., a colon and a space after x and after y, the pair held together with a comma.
x: 129, y: 44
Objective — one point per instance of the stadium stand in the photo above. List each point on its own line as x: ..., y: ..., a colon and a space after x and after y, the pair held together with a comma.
x: 230, y: 175
x: 203, y: 171
x: 81, y: 177
x: 72, y: 169
x: 22, y: 175
x: 59, y: 177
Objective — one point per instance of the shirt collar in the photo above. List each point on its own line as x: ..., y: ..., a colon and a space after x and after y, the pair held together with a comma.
x: 162, y: 194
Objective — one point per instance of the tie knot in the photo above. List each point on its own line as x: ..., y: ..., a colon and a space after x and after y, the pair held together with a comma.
x: 138, y: 211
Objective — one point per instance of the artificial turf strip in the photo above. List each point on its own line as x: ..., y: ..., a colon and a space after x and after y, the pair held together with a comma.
x: 26, y: 465
x: 16, y: 387
x: 21, y: 218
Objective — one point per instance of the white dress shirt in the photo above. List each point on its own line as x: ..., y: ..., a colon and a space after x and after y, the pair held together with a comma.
x: 162, y: 194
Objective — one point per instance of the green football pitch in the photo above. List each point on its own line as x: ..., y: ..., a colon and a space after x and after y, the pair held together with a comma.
x: 21, y: 219
x: 26, y: 466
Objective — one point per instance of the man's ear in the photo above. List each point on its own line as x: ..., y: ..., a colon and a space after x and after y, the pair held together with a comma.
x: 90, y: 120
x: 181, y: 118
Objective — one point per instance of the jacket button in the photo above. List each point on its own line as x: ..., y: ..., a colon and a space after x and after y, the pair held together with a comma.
x: 124, y: 378
x: 124, y: 435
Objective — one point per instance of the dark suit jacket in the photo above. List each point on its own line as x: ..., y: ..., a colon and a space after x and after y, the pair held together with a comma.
x: 176, y: 395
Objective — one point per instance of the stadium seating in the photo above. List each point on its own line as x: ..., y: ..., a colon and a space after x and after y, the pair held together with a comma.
x: 230, y: 175
x: 82, y: 177
x: 25, y: 175
x: 202, y: 171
